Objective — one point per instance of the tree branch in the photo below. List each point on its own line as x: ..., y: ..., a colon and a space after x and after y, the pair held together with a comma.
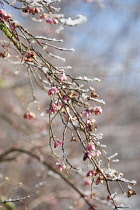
x: 64, y: 178
x: 9, y: 35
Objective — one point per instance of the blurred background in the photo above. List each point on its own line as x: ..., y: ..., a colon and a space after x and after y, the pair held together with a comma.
x: 107, y: 46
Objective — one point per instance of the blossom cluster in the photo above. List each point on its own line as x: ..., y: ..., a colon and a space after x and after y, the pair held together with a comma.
x: 31, y: 10
x: 29, y: 115
x: 91, y: 152
x: 4, y: 15
x: 96, y: 110
x: 54, y: 108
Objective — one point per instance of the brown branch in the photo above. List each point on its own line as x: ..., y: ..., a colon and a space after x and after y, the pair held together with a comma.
x: 64, y: 178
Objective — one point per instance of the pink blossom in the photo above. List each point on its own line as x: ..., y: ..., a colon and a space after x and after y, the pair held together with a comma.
x: 37, y: 10
x: 90, y: 121
x: 60, y: 166
x: 51, y: 21
x: 53, y: 90
x: 95, y: 153
x: 91, y: 154
x: 90, y: 126
x: 13, y: 25
x: 7, y: 17
x: 54, y: 108
x: 31, y: 10
x: 63, y: 77
x: 66, y: 98
x: 97, y: 110
x: 4, y: 16
x: 91, y: 173
x: 86, y: 113
x: 43, y: 16
x: 58, y: 143
x: 29, y: 115
x: 91, y: 147
x: 88, y: 155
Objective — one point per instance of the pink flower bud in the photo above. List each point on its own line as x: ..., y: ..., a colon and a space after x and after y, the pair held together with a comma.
x: 66, y: 98
x: 63, y: 78
x: 91, y: 147
x: 58, y: 143
x: 54, y: 108
x: 31, y: 10
x: 37, y: 10
x: 86, y: 113
x: 51, y: 21
x: 91, y: 154
x: 97, y: 110
x: 60, y: 166
x: 43, y: 16
x: 29, y: 115
x: 53, y: 90
x: 7, y: 17
x: 90, y: 121
x: 90, y: 173
x: 4, y: 16
x: 13, y: 25
x: 90, y: 125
